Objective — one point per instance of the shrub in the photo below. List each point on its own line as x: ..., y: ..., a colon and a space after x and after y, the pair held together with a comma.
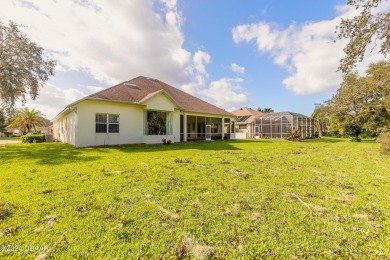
x: 294, y: 135
x: 33, y: 138
x: 384, y: 140
x: 354, y: 130
x: 169, y: 141
x: 8, y: 134
x: 164, y: 141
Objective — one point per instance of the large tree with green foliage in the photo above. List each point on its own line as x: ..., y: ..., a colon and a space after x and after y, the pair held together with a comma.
x: 27, y: 120
x: 23, y: 67
x: 321, y: 119
x: 2, y: 119
x: 361, y: 30
x: 361, y: 104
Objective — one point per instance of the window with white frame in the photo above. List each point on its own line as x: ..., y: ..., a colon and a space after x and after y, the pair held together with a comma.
x: 107, y: 123
x: 113, y: 123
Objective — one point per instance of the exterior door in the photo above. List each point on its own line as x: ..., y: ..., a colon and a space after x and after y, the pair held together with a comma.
x: 257, y: 131
x: 208, y: 132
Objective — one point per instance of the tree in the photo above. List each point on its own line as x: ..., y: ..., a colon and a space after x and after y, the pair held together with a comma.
x: 27, y: 120
x: 321, y: 119
x: 2, y: 119
x: 23, y: 69
x: 265, y: 110
x: 363, y: 29
x: 361, y: 105
x: 354, y: 129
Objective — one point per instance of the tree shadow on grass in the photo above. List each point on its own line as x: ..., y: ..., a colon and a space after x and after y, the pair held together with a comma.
x: 217, y: 145
x: 329, y: 140
x: 369, y: 141
x: 338, y: 140
x: 46, y: 153
x: 59, y: 153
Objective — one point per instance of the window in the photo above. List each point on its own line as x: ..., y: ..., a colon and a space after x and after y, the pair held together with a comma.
x: 113, y: 123
x: 158, y: 123
x: 107, y: 122
x: 242, y: 127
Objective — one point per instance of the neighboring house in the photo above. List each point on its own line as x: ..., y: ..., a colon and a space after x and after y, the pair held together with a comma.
x: 46, y: 127
x: 141, y: 110
x: 13, y: 130
x: 246, y: 117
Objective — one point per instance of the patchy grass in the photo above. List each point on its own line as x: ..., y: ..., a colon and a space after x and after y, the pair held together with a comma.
x: 248, y: 199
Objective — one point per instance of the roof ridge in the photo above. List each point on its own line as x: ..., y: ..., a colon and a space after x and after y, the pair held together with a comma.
x: 146, y: 86
x: 159, y: 81
x: 116, y: 85
x: 106, y: 89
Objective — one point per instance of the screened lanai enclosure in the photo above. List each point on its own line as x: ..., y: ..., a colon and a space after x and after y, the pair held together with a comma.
x: 205, y: 128
x: 277, y: 125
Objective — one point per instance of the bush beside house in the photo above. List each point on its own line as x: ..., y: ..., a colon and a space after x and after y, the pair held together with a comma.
x: 33, y: 138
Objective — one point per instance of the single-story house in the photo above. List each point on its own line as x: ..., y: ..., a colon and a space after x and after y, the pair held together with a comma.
x: 141, y: 110
x: 245, y: 122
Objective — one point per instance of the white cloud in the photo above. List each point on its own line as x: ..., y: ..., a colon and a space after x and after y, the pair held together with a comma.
x: 237, y: 69
x: 307, y: 51
x: 198, y: 73
x: 52, y: 100
x: 201, y: 59
x: 225, y: 93
x: 95, y: 88
x: 113, y: 42
x: 110, y: 42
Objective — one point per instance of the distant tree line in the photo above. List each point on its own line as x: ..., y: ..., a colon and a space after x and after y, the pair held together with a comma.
x: 361, y: 106
x: 265, y: 110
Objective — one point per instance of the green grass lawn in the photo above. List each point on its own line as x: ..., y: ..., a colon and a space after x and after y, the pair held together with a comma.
x: 327, y: 198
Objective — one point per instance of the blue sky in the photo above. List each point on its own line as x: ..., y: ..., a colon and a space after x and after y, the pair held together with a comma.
x: 209, y: 25
x: 276, y: 54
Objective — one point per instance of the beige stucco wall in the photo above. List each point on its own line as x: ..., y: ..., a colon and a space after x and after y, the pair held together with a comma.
x: 162, y: 103
x: 248, y: 129
x: 176, y: 125
x: 131, y: 120
x: 80, y: 123
x: 159, y: 102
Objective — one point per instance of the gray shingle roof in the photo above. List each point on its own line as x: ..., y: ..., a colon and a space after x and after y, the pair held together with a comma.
x: 139, y: 88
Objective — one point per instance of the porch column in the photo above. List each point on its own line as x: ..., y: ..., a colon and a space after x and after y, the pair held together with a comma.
x: 223, y: 128
x: 184, y: 127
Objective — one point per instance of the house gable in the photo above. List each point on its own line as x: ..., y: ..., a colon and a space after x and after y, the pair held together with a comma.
x: 159, y: 100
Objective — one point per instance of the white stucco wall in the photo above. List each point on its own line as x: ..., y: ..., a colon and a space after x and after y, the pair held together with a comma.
x: 159, y: 102
x: 64, y: 129
x: 79, y: 126
x: 130, y: 123
x: 176, y: 125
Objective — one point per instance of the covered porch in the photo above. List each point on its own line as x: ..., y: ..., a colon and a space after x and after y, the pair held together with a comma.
x: 199, y: 127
